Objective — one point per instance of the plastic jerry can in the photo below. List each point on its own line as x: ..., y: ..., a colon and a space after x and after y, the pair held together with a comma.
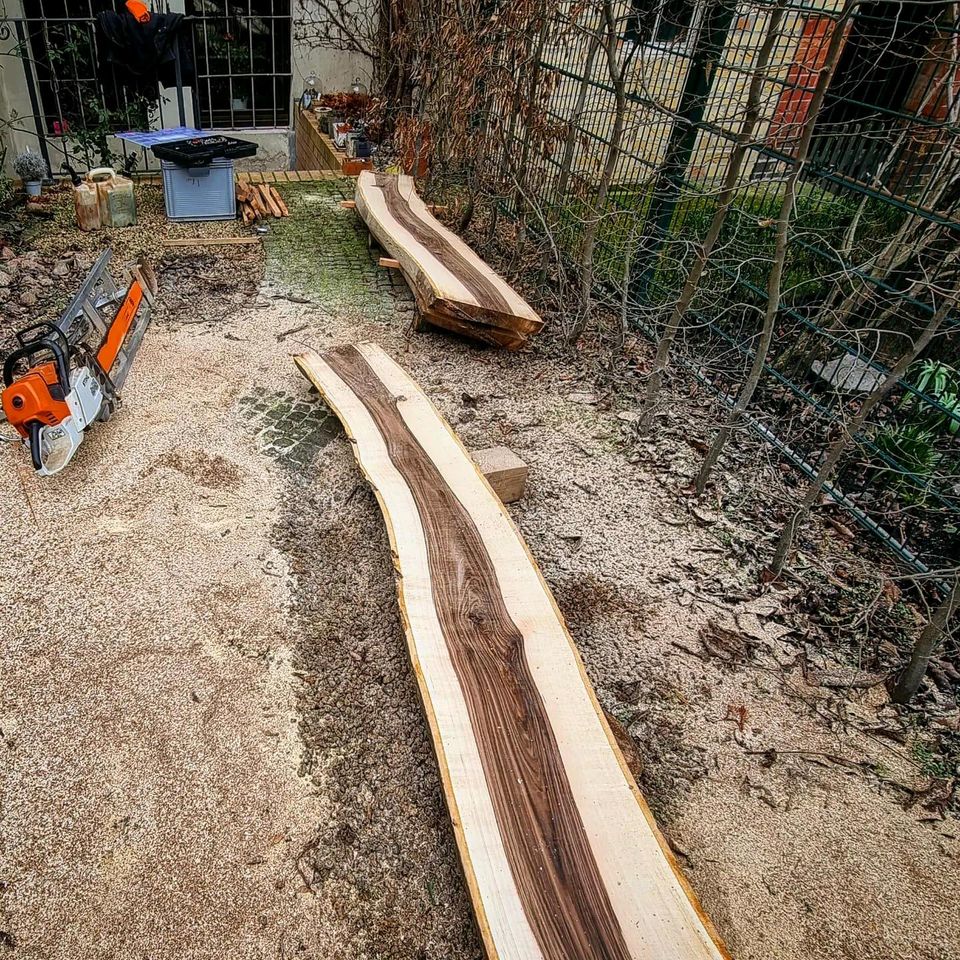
x: 118, y: 207
x: 87, y: 205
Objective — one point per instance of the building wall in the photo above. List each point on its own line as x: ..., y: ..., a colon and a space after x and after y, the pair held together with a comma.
x: 335, y: 70
x: 657, y: 74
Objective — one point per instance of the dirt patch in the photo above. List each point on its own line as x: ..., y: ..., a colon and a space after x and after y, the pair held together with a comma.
x: 383, y: 864
x: 207, y: 288
x: 208, y: 471
x: 213, y: 740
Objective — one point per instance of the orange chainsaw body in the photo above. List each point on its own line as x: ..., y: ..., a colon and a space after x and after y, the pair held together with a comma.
x: 30, y: 398
x: 38, y: 394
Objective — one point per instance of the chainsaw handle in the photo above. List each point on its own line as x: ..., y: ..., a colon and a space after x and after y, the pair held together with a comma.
x: 34, y: 426
x: 31, y: 348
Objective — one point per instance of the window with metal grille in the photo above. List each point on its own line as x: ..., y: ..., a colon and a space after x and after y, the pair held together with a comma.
x: 661, y: 22
x: 242, y: 59
x: 75, y: 92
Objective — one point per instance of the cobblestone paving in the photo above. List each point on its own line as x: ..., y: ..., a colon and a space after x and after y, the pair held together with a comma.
x: 321, y: 253
x: 290, y: 429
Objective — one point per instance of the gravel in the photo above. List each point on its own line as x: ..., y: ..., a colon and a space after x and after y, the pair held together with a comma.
x: 213, y: 743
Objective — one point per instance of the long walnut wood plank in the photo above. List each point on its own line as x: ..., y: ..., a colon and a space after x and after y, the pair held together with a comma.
x: 561, y: 855
x: 453, y: 286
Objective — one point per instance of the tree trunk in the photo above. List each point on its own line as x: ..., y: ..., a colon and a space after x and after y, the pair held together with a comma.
x: 780, y: 251
x: 570, y: 144
x: 724, y: 201
x: 850, y: 430
x: 926, y: 643
x: 531, y: 94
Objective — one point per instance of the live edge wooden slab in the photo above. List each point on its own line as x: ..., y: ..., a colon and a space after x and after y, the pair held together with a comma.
x: 453, y: 287
x: 561, y: 855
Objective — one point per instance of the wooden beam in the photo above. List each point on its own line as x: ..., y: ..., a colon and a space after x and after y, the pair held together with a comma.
x: 267, y: 197
x: 504, y: 470
x: 389, y: 263
x: 453, y: 287
x: 279, y: 201
x: 348, y: 204
x: 561, y: 855
x: 208, y: 241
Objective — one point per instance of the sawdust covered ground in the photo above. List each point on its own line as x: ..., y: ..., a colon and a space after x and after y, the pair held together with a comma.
x: 212, y: 740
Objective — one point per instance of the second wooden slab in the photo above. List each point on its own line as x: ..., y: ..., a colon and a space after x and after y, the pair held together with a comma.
x: 454, y: 288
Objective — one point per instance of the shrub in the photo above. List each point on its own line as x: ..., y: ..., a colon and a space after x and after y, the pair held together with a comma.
x: 30, y: 166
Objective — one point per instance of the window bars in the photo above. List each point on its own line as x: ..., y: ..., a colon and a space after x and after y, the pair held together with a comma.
x: 241, y: 52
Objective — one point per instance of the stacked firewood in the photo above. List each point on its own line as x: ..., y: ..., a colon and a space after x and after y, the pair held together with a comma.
x: 256, y: 201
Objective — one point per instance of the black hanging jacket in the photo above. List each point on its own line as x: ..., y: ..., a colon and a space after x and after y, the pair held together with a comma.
x: 142, y: 54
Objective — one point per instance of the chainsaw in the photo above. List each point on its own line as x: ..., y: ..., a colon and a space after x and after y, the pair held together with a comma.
x: 65, y: 376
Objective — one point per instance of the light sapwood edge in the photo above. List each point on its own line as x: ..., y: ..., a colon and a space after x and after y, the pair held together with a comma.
x: 668, y: 854
x: 303, y: 361
x: 420, y: 209
x: 385, y: 239
x: 591, y: 694
x: 379, y: 231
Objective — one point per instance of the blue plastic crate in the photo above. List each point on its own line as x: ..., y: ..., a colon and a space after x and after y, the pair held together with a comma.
x: 199, y: 193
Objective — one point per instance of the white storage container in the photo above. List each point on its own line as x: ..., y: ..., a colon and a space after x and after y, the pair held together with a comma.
x: 199, y: 193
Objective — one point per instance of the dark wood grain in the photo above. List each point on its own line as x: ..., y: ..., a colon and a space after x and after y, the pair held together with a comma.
x: 553, y: 865
x: 453, y: 287
x: 478, y: 284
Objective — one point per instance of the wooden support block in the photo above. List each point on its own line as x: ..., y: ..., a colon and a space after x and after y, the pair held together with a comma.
x: 348, y: 204
x: 390, y: 263
x: 504, y: 470
x: 209, y: 241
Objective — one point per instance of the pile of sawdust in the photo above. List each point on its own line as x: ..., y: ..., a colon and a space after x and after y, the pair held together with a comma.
x: 383, y: 863
x: 203, y: 567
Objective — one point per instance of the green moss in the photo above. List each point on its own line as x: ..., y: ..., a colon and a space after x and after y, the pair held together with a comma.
x: 320, y: 253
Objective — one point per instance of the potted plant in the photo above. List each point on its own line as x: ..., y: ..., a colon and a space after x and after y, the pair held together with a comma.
x: 31, y: 168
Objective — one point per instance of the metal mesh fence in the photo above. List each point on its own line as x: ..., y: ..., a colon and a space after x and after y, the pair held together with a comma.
x: 873, y: 235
